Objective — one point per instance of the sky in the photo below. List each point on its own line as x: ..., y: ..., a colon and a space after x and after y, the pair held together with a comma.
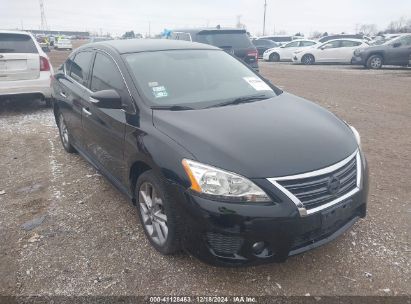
x: 142, y: 16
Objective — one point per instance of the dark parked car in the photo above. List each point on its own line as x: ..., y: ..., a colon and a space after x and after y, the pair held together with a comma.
x: 217, y: 160
x: 234, y: 41
x: 264, y: 44
x: 393, y: 52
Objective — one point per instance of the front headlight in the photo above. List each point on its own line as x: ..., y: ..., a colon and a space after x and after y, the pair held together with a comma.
x: 357, y: 135
x: 222, y: 184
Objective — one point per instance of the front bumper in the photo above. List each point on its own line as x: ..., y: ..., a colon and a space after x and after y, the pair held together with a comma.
x: 223, y: 234
x: 39, y: 85
x: 266, y: 56
x: 358, y: 60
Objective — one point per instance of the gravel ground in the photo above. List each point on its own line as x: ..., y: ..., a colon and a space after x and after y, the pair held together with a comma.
x: 64, y: 230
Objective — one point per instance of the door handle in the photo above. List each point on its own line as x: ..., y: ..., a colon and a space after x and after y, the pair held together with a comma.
x: 62, y: 94
x: 86, y: 112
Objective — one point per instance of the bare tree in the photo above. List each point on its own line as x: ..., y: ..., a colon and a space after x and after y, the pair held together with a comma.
x: 367, y: 29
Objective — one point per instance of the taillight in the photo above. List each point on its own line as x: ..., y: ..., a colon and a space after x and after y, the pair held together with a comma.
x: 44, y: 64
x: 253, y: 54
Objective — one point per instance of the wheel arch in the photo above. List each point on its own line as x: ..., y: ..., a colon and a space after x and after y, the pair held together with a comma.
x: 379, y: 53
x: 137, y: 168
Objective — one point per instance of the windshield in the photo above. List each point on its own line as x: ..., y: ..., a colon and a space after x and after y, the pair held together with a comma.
x: 195, y: 78
x: 393, y: 40
x: 226, y: 39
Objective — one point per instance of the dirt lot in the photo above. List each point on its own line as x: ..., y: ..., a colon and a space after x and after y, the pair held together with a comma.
x: 64, y: 230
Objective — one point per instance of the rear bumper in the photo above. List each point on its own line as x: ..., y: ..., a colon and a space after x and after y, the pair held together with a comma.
x: 223, y: 234
x: 40, y: 86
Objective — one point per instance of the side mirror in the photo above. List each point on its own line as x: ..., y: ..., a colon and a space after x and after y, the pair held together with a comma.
x: 397, y: 44
x: 106, y: 99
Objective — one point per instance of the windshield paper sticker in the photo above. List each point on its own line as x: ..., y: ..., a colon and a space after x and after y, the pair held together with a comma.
x: 160, y: 92
x: 257, y: 84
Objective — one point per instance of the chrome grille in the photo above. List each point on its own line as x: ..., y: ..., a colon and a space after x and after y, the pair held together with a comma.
x: 314, y: 191
x: 320, y: 189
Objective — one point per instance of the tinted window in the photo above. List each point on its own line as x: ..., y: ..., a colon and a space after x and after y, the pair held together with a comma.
x: 348, y: 43
x: 292, y: 44
x: 264, y: 42
x: 16, y: 43
x: 184, y: 36
x: 405, y: 40
x: 331, y: 45
x: 105, y: 75
x: 281, y: 39
x: 79, y: 67
x: 306, y: 43
x: 225, y: 39
x: 194, y: 77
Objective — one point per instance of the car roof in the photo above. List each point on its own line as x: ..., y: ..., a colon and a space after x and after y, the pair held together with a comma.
x: 150, y: 45
x: 339, y: 39
x: 207, y: 29
x: 15, y: 32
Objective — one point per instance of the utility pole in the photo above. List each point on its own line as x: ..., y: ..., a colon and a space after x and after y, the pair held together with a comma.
x: 43, y: 16
x: 265, y: 11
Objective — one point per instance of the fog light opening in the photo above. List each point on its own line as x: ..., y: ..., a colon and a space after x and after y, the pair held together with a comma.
x: 262, y: 250
x: 258, y: 248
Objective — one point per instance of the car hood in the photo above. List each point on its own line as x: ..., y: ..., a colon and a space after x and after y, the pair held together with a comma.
x: 281, y: 136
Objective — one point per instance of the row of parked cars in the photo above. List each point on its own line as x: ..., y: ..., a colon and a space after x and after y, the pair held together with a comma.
x: 344, y: 49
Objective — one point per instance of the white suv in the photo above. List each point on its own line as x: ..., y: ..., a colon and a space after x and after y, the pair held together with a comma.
x: 24, y: 67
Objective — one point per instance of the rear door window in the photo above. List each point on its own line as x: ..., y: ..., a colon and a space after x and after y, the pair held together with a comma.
x: 105, y: 75
x: 292, y: 44
x: 79, y: 67
x: 349, y: 43
x: 332, y: 45
x: 17, y: 43
x: 306, y: 43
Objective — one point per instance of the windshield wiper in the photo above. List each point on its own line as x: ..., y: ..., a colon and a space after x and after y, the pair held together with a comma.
x: 239, y: 100
x: 171, y: 108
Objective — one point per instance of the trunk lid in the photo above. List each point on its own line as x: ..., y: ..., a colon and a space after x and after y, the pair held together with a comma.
x: 17, y: 66
x: 19, y: 57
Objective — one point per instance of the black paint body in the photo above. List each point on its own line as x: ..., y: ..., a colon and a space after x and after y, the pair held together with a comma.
x: 281, y: 136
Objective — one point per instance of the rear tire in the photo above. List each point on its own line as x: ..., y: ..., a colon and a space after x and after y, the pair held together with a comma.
x: 158, y: 213
x: 65, y: 136
x: 308, y: 59
x: 274, y: 57
x: 375, y: 62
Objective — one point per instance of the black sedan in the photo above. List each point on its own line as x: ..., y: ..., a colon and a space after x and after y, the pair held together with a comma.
x: 264, y: 44
x: 218, y: 161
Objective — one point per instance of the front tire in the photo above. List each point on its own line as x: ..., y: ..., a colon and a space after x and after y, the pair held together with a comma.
x: 65, y: 135
x: 158, y: 213
x: 375, y: 62
x: 308, y: 59
x: 274, y: 57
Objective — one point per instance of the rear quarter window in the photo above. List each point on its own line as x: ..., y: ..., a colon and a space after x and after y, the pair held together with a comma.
x: 17, y: 43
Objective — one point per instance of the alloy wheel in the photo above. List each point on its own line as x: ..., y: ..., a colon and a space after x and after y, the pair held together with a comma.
x: 376, y: 62
x: 152, y: 213
x: 64, y: 135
